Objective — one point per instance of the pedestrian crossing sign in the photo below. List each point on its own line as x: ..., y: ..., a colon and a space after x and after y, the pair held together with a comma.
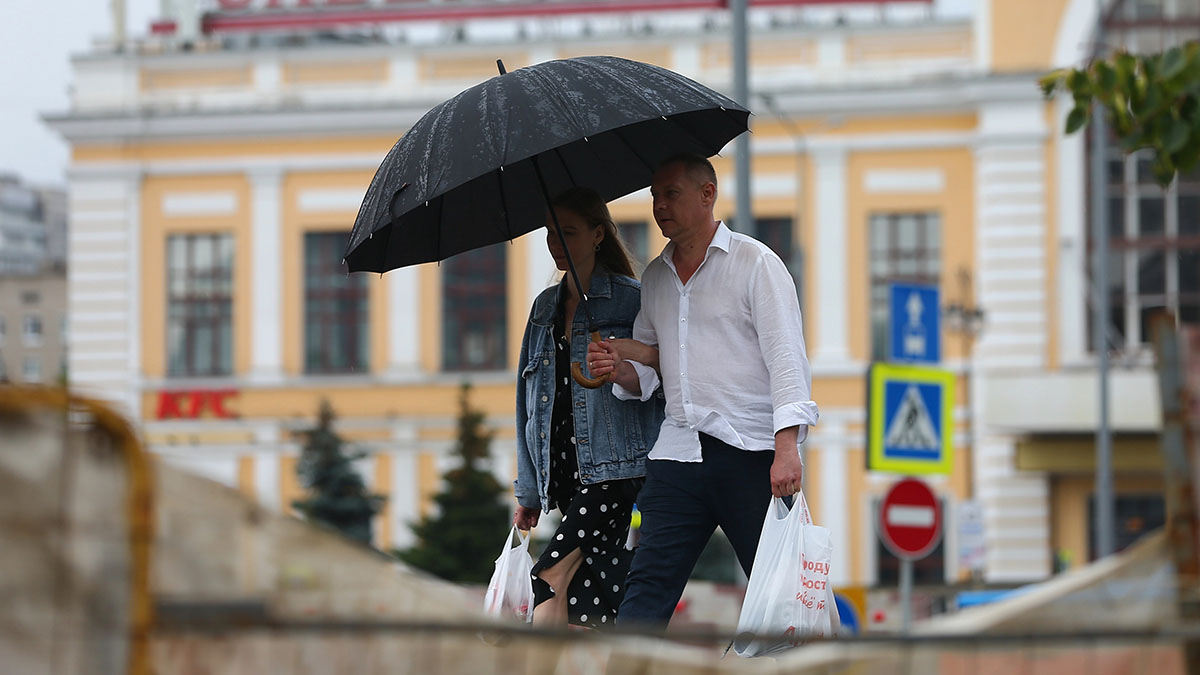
x: 910, y: 425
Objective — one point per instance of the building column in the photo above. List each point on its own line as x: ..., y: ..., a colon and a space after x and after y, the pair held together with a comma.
x: 1010, y: 234
x: 829, y: 256
x: 404, y: 501
x: 266, y: 345
x: 266, y: 467
x: 104, y: 347
x: 404, y: 321
x: 834, y: 493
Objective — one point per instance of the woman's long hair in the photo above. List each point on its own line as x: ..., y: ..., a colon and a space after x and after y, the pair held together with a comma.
x: 589, y: 205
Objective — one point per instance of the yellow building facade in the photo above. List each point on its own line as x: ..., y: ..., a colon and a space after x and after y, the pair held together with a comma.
x: 889, y: 142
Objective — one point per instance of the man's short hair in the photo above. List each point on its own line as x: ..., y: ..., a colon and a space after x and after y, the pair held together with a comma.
x: 696, y: 166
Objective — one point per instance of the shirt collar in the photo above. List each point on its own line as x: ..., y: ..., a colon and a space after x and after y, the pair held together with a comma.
x: 722, y: 238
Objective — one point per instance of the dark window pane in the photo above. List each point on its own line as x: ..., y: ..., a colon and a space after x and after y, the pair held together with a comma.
x: 636, y: 236
x: 199, y: 305
x: 1151, y: 216
x: 1116, y: 171
x: 1116, y: 217
x: 475, y: 310
x: 1146, y: 315
x: 1189, y: 271
x: 1135, y: 516
x: 336, y: 323
x: 1189, y: 312
x: 1189, y: 215
x: 1152, y: 273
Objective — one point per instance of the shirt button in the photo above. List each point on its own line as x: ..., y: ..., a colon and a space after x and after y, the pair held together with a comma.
x: 680, y: 346
x: 683, y: 320
x: 545, y: 398
x: 545, y: 362
x: 543, y: 434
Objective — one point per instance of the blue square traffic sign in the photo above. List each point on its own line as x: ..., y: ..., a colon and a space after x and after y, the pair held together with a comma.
x: 915, y: 332
x: 914, y: 420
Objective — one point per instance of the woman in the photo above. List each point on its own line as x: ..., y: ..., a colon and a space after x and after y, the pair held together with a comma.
x: 581, y: 450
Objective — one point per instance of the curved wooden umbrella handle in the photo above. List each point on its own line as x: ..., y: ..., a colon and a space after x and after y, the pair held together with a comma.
x: 583, y: 380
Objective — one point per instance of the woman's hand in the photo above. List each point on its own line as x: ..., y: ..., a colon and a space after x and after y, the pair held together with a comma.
x: 526, y: 518
x: 629, y: 349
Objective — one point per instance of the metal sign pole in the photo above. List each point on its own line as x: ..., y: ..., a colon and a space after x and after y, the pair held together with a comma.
x: 906, y: 584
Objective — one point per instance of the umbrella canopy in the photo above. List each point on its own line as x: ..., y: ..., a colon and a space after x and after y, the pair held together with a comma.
x: 477, y: 169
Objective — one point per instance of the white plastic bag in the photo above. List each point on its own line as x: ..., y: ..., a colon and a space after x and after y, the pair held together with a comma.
x: 510, y: 592
x: 788, y: 599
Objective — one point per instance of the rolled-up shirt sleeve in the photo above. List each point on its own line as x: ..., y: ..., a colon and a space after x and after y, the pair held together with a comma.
x: 643, y: 331
x: 776, y: 313
x: 647, y: 378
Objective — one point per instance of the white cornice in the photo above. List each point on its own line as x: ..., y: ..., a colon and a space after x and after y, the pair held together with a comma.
x: 951, y: 93
x: 235, y: 124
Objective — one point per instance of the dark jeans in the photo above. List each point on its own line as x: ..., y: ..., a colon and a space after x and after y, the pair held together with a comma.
x: 681, y: 504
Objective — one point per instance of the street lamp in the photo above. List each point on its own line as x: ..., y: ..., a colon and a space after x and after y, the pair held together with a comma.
x: 966, y: 318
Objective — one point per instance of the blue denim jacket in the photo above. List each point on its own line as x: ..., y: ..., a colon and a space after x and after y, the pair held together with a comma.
x: 612, y: 436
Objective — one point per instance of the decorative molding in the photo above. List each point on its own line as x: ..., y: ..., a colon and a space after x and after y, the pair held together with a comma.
x: 266, y: 220
x: 211, y: 203
x: 324, y: 200
x: 904, y: 181
x: 832, y: 323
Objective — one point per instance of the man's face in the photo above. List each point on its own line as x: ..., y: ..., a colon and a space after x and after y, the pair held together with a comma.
x: 681, y: 202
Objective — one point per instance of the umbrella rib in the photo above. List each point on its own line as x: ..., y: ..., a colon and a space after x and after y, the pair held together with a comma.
x: 627, y: 144
x: 566, y: 168
x: 503, y: 202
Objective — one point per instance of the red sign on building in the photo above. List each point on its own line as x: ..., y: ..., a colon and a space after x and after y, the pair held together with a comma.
x: 193, y: 404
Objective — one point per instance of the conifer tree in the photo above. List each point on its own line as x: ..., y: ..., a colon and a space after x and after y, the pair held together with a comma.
x: 459, y: 541
x: 338, y: 497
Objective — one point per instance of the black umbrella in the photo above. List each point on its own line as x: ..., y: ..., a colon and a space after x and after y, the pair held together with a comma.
x: 480, y: 168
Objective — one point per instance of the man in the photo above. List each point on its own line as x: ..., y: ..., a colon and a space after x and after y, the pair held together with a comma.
x: 721, y: 307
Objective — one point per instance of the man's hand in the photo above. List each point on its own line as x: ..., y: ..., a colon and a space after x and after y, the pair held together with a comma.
x: 613, y: 356
x: 525, y: 518
x: 786, y: 470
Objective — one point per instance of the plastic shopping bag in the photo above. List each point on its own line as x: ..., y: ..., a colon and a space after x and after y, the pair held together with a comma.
x: 788, y: 599
x: 510, y: 592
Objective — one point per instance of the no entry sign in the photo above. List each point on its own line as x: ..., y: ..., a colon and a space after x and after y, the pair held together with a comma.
x: 910, y: 519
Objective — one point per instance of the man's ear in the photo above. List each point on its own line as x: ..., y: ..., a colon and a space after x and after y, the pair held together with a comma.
x: 708, y: 192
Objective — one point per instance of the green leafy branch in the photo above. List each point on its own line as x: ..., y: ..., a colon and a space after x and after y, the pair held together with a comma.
x: 1150, y: 101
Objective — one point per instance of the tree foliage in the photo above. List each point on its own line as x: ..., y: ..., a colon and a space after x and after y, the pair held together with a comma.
x: 459, y: 541
x: 338, y: 497
x: 1150, y: 101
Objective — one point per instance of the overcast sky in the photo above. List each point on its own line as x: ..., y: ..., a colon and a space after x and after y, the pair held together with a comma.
x: 37, y: 38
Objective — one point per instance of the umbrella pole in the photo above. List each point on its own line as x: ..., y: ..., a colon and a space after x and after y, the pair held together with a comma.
x: 576, y: 367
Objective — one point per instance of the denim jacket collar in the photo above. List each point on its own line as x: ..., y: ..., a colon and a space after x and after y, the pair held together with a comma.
x: 547, y: 304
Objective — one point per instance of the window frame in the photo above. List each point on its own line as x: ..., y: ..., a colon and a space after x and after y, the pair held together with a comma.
x: 877, y: 283
x: 351, y: 308
x: 37, y: 367
x: 32, y: 337
x: 460, y: 283
x: 212, y: 307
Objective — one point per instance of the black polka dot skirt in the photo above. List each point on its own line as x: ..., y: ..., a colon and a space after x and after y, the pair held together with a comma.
x: 595, y: 521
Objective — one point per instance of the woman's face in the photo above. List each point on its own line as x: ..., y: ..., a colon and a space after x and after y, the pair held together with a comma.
x: 581, y: 238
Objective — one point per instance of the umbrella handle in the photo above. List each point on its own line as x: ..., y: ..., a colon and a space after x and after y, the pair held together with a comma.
x: 583, y: 380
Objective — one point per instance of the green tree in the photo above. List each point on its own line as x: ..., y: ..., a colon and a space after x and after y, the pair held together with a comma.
x: 1150, y: 101
x: 459, y: 541
x: 338, y: 497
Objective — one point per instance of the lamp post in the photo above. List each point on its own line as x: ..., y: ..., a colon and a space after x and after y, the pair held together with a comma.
x: 966, y: 319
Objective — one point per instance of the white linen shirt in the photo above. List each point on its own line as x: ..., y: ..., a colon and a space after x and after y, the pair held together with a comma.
x: 731, y: 349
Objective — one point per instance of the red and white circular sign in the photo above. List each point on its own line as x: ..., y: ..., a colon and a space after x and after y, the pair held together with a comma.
x: 910, y: 519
